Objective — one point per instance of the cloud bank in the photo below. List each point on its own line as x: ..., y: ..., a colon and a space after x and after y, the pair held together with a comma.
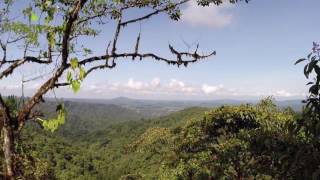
x: 156, y: 89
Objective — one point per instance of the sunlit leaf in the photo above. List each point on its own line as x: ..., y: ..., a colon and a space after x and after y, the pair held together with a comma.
x: 33, y: 17
x: 54, y: 123
x: 76, y: 86
x: 82, y: 73
x: 74, y: 63
x: 69, y: 77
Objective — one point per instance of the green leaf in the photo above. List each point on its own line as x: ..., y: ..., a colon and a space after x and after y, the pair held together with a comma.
x: 87, y: 51
x: 314, y: 89
x: 45, y: 54
x: 53, y: 124
x: 82, y: 73
x: 74, y: 63
x: 305, y: 71
x: 69, y: 77
x: 50, y: 16
x: 33, y: 17
x: 51, y: 39
x: 75, y: 86
x: 311, y: 66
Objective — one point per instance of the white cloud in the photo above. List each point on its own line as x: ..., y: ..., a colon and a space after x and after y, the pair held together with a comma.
x: 283, y: 93
x: 154, y: 88
x: 212, y: 16
x: 207, y: 89
x: 179, y: 86
x: 155, y: 82
x: 175, y: 84
x: 137, y: 85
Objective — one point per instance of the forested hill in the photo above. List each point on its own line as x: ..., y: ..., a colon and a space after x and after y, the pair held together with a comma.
x: 156, y: 108
x: 98, y: 151
x: 108, y: 141
x: 83, y: 118
x: 87, y: 116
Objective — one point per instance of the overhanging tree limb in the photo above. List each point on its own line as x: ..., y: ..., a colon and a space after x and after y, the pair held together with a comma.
x: 49, y: 84
x: 78, y: 19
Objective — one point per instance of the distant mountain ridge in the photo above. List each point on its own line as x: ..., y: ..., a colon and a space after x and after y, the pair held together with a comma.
x: 84, y: 117
x: 156, y: 108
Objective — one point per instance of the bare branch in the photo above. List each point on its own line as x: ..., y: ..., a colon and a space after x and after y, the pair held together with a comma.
x: 16, y: 39
x: 102, y: 13
x: 19, y: 62
x: 4, y: 49
x: 136, y: 48
x: 194, y: 57
x: 116, y: 35
x: 100, y: 67
x: 56, y: 85
x: 68, y: 29
x: 153, y: 13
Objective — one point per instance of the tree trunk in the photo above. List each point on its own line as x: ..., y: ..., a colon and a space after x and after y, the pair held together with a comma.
x: 8, y: 151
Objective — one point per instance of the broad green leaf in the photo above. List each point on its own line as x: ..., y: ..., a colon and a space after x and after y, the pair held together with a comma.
x: 75, y: 86
x: 74, y: 63
x: 69, y: 77
x: 311, y: 66
x: 314, y: 89
x: 54, y: 123
x: 82, y: 73
x: 33, y: 17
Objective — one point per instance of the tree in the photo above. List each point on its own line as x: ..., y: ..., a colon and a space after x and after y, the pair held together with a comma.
x: 49, y: 32
x: 311, y: 114
x: 229, y: 142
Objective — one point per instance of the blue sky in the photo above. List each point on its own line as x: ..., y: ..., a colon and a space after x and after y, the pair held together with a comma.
x: 256, y: 43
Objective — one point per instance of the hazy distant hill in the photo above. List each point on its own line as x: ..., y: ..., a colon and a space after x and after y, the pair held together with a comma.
x: 85, y: 117
x: 156, y: 108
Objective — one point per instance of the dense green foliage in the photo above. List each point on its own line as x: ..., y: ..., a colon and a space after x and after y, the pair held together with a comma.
x: 234, y: 142
x: 100, y: 151
x: 229, y: 142
x: 83, y: 118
